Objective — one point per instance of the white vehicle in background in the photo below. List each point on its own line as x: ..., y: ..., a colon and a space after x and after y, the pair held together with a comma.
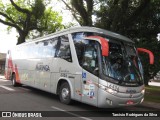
x: 87, y: 64
x: 157, y: 77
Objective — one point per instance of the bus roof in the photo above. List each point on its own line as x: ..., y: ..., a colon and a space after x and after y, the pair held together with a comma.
x: 85, y: 29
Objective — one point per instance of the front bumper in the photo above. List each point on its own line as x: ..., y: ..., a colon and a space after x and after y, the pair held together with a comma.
x: 108, y: 100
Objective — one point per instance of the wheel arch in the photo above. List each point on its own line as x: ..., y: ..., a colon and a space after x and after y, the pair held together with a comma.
x: 62, y: 80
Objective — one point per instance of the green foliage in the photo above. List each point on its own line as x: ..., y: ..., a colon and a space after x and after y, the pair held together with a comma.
x: 81, y: 10
x: 38, y: 9
x: 49, y: 22
x: 30, y: 17
x: 152, y: 94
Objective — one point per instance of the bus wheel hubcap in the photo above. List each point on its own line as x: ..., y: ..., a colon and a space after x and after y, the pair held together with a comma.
x: 65, y: 93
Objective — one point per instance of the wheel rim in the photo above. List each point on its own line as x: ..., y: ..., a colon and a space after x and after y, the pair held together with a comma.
x: 65, y: 93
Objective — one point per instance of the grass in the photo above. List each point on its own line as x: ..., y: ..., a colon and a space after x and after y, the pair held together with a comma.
x: 152, y: 94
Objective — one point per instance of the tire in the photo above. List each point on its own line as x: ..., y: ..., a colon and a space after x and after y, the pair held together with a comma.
x: 65, y: 93
x: 14, y: 83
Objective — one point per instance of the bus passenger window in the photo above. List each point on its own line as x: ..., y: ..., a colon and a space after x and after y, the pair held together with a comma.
x: 63, y: 51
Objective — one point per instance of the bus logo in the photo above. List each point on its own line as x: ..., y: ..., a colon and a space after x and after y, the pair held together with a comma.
x: 41, y: 67
x: 130, y: 91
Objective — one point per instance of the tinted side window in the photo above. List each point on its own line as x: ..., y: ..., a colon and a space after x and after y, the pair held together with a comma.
x: 63, y: 48
x: 45, y: 48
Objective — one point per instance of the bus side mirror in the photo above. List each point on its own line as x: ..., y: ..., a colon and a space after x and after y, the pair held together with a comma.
x: 151, y: 56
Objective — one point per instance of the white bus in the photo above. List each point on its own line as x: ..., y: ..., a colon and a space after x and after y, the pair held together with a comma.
x: 86, y: 64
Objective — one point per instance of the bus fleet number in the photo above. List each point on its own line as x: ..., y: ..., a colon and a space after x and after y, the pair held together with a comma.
x: 63, y: 75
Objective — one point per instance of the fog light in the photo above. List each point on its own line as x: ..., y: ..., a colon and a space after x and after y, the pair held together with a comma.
x: 109, y: 101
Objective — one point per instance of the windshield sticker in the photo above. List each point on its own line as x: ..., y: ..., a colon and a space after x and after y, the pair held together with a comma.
x: 86, y: 90
x: 92, y: 87
x: 89, y: 90
x: 84, y: 75
x: 91, y: 94
x: 89, y: 82
x: 78, y: 92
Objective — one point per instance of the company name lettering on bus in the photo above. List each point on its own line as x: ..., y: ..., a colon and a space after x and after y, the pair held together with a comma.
x: 130, y: 91
x: 41, y: 67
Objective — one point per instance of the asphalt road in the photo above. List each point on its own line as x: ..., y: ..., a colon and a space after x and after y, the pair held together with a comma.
x: 25, y: 100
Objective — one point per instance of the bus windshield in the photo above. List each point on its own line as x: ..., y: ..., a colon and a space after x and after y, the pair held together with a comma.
x: 123, y: 64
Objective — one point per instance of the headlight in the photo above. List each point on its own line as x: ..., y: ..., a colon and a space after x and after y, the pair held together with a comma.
x: 111, y: 91
x: 143, y: 91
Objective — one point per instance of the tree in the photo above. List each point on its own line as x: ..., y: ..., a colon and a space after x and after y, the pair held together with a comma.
x: 120, y: 15
x: 81, y: 10
x: 26, y: 16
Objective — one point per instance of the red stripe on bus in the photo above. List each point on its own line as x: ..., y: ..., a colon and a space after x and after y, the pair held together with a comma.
x: 12, y: 69
x: 17, y: 74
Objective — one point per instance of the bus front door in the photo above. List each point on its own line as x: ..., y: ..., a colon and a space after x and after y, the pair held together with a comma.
x: 89, y: 88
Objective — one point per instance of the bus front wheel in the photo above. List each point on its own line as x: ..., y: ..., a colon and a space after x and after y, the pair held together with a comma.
x: 65, y: 93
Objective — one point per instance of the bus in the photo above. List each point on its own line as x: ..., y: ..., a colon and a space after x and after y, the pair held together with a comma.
x: 86, y: 64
